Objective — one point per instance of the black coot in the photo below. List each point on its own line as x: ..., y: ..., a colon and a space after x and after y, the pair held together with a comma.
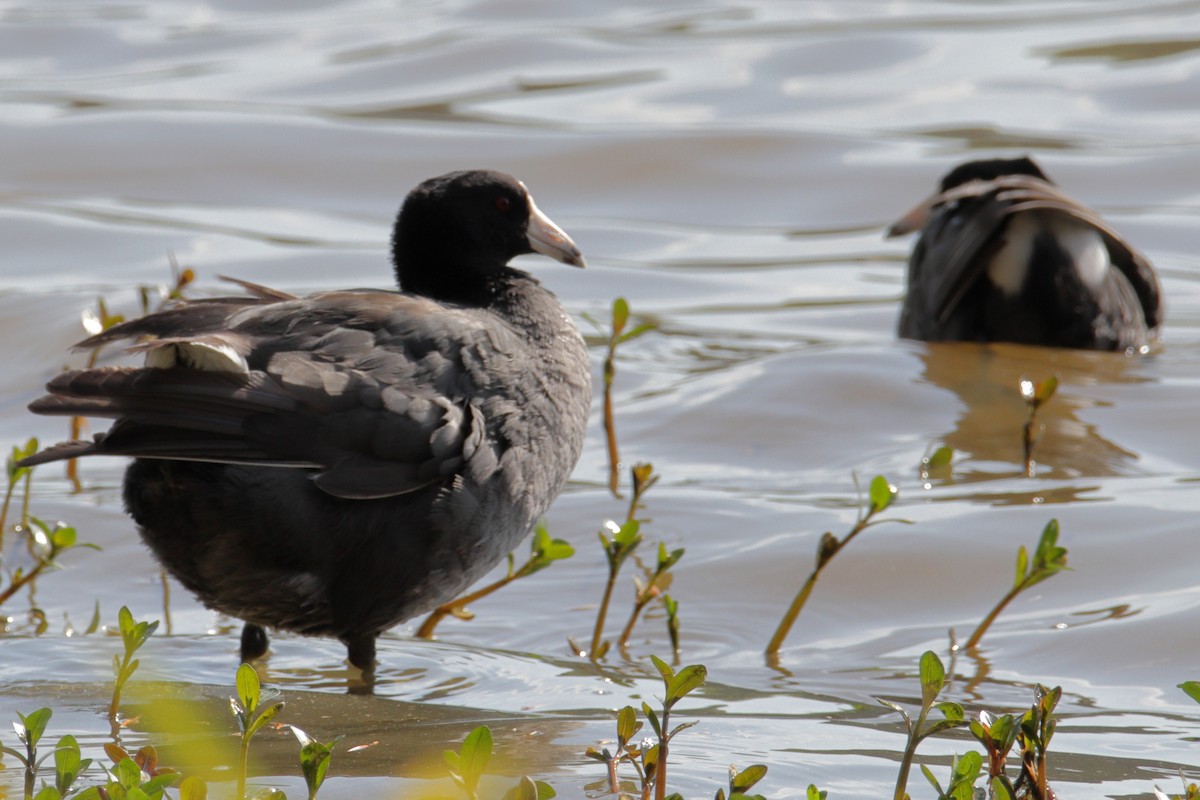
x: 1005, y: 256
x: 336, y: 464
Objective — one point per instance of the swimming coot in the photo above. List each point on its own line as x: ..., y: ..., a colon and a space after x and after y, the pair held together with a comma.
x: 1004, y: 255
x: 338, y: 463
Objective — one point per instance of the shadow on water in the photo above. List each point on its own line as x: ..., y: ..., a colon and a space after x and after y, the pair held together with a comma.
x: 987, y: 435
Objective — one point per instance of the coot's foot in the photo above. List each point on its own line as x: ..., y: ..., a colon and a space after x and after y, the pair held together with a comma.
x: 254, y: 642
x: 360, y: 650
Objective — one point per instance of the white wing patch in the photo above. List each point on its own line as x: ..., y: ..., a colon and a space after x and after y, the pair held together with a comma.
x: 210, y: 355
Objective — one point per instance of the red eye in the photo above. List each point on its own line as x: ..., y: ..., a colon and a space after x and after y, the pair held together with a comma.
x: 503, y: 203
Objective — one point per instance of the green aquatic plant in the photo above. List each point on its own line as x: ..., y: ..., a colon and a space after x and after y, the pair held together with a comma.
x: 964, y: 773
x: 740, y: 783
x: 46, y: 544
x: 1036, y: 730
x: 933, y: 679
x: 1035, y: 395
x: 653, y: 587
x: 133, y: 635
x: 252, y: 711
x: 649, y: 757
x: 616, y: 336
x: 880, y: 496
x: 16, y: 475
x: 467, y: 767
x: 1048, y: 560
x: 618, y: 547
x: 997, y: 735
x: 937, y: 464
x: 29, y: 733
x: 314, y: 759
x: 544, y: 551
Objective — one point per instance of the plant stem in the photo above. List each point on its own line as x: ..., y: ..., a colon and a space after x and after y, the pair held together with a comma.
x: 610, y: 429
x: 910, y: 751
x: 603, y: 612
x: 785, y: 625
x: 639, y: 604
x: 243, y: 760
x: 660, y: 769
x: 973, y: 642
x: 22, y: 581
x: 457, y: 604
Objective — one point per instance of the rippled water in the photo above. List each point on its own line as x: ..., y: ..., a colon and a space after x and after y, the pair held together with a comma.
x: 728, y: 168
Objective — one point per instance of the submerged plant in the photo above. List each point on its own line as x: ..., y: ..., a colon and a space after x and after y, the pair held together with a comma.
x: 1048, y: 560
x: 46, y: 545
x: 880, y: 496
x: 617, y: 335
x: 649, y: 757
x: 468, y: 764
x: 624, y: 540
x: 933, y: 679
x: 314, y: 759
x: 15, y: 476
x: 651, y: 588
x: 133, y: 635
x: 252, y: 712
x: 1035, y: 395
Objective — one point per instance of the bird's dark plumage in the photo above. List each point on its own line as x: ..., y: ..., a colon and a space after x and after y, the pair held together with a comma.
x: 1004, y: 255
x: 338, y: 463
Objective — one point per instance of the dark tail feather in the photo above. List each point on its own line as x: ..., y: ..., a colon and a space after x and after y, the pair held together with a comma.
x: 59, y: 452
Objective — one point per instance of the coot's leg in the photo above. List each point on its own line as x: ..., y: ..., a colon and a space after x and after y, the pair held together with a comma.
x: 361, y: 651
x: 254, y: 642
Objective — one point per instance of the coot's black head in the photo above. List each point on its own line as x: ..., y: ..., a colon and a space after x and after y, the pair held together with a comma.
x: 990, y: 169
x: 456, y: 231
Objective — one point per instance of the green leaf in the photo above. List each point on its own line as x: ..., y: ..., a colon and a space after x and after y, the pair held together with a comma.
x: 928, y: 773
x: 899, y: 709
x: 476, y: 751
x: 34, y: 724
x: 637, y: 331
x: 627, y: 726
x: 1191, y: 689
x: 620, y: 315
x: 127, y: 773
x: 745, y: 780
x: 881, y: 493
x: 1002, y: 789
x: 265, y: 716
x: 942, y: 457
x: 63, y: 537
x: 933, y: 677
x: 529, y: 789
x: 94, y: 625
x: 1046, y: 389
x: 652, y: 718
x: 1022, y: 566
x: 193, y: 788
x: 248, y: 687
x: 953, y: 712
x: 664, y: 669
x: 67, y: 763
x: 48, y: 793
x: 155, y: 786
x: 966, y: 769
x: 814, y: 793
x: 685, y: 681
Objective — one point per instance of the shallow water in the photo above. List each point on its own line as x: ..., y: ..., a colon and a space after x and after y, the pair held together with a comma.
x: 728, y: 168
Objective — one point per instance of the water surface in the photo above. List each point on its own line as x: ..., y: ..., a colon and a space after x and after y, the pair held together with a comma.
x: 728, y: 168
